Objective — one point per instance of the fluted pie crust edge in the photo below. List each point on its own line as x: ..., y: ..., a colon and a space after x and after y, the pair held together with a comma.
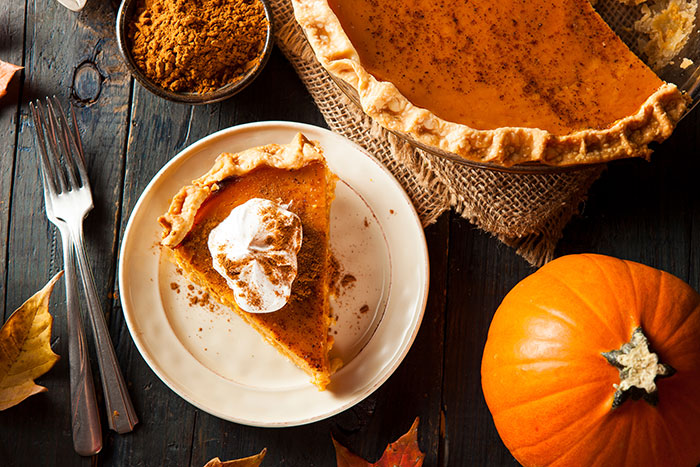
x: 178, y: 221
x: 506, y: 146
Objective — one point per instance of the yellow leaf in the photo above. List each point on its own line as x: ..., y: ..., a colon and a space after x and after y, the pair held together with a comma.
x: 25, y: 348
x: 252, y: 461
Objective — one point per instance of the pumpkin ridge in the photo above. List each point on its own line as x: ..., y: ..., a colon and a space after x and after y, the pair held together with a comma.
x: 572, y: 324
x: 581, y: 298
x: 608, y: 280
x: 602, y: 381
x: 589, y: 430
x: 633, y: 281
x: 596, y: 455
x: 681, y: 356
x: 681, y: 325
x: 667, y: 420
x: 593, y: 358
x: 541, y: 360
x: 630, y: 430
x: 650, y: 430
x: 622, y: 309
x: 689, y: 401
x: 589, y: 434
x: 561, y: 432
x: 659, y: 303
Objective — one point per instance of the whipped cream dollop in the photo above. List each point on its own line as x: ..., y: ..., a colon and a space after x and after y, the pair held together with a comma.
x: 255, y: 249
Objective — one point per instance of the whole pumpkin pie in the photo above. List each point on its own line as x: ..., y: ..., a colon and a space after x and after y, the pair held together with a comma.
x: 507, y: 81
x: 291, y: 187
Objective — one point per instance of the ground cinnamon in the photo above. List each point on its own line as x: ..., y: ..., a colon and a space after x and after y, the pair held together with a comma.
x: 197, y: 45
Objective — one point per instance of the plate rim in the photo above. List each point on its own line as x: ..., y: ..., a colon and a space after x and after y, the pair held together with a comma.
x: 177, y: 388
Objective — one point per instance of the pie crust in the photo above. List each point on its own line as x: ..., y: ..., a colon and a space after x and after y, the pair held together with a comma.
x: 177, y: 222
x: 626, y: 137
x: 296, y: 175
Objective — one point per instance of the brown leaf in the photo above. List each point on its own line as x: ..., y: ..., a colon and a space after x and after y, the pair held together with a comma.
x: 7, y: 71
x: 25, y: 348
x: 252, y: 461
x: 402, y: 453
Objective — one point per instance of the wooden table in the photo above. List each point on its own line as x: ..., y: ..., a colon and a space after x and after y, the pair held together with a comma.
x: 648, y: 212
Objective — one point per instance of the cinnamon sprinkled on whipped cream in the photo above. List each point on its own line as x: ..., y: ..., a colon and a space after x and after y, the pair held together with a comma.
x: 255, y: 249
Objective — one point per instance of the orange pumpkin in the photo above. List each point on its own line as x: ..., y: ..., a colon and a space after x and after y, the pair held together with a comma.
x: 593, y: 360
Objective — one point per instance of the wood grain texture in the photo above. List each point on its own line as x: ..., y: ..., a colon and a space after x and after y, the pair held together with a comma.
x: 50, y: 69
x: 12, y: 51
x: 34, y: 255
x: 481, y: 271
x: 157, y: 131
x: 647, y: 212
x: 692, y: 140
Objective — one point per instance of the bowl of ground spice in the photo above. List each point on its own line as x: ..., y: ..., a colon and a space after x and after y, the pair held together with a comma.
x: 194, y: 51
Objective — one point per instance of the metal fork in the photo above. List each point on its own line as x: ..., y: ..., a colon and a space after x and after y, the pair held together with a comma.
x: 67, y: 189
x: 85, y: 420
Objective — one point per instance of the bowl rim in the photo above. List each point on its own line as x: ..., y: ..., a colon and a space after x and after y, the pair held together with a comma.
x: 224, y: 92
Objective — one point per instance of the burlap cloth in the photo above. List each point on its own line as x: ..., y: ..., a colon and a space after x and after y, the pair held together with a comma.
x: 525, y: 211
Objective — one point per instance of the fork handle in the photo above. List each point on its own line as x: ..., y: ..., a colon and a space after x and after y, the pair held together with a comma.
x: 85, y: 418
x: 120, y: 411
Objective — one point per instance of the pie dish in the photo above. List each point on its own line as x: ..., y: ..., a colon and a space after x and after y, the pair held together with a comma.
x: 503, y: 82
x: 294, y: 175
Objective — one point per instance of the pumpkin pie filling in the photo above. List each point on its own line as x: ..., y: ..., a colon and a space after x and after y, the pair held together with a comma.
x: 508, y: 82
x: 299, y: 330
x: 490, y: 64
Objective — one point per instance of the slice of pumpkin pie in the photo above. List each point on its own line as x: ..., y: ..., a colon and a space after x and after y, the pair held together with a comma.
x: 507, y: 81
x: 254, y: 233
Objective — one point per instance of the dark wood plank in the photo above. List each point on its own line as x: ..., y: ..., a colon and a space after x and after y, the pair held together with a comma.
x: 33, y: 256
x: 158, y: 130
x: 100, y: 94
x: 73, y: 57
x: 691, y: 154
x: 12, y: 51
x: 481, y: 271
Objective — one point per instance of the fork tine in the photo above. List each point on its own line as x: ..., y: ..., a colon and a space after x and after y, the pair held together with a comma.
x: 55, y: 152
x: 77, y: 135
x: 82, y: 168
x: 64, y: 138
x: 77, y: 144
x: 46, y: 170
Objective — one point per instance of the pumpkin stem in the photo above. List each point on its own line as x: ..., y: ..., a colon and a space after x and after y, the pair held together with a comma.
x: 639, y: 367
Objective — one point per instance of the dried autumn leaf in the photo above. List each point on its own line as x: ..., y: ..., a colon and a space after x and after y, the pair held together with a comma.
x: 25, y: 348
x: 404, y: 452
x: 252, y: 461
x: 7, y: 71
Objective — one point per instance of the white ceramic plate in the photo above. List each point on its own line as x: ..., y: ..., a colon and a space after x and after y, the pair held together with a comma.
x: 211, y: 358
